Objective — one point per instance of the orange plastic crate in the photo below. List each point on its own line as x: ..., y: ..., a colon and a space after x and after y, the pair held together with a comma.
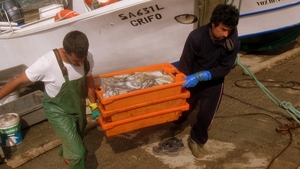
x: 143, y: 95
x: 144, y: 108
x: 142, y: 121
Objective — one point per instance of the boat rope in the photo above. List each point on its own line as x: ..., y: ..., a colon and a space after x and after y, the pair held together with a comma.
x: 295, y: 114
x: 232, y: 1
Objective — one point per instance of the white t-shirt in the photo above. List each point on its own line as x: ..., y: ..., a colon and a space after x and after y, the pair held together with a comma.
x: 47, y: 70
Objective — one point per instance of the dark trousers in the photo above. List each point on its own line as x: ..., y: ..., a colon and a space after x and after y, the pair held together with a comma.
x: 209, y: 94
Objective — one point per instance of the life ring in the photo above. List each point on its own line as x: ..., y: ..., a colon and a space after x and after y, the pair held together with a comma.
x: 99, y: 3
x: 65, y: 14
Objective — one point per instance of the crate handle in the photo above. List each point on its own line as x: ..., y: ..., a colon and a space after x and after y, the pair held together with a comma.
x: 113, y: 124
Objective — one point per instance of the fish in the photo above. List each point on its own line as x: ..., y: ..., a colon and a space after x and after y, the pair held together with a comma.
x: 125, y: 83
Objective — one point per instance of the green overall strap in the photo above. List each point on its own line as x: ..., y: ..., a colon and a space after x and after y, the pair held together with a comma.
x: 60, y: 63
x: 64, y: 69
x: 86, y: 66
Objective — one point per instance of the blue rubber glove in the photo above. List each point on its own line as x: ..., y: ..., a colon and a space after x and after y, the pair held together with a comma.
x: 193, y: 79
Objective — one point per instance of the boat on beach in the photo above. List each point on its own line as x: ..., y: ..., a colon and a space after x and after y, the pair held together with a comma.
x: 132, y: 33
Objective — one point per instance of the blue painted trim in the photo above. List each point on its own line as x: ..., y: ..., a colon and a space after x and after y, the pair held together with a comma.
x: 176, y: 64
x: 270, y: 9
x: 269, y: 31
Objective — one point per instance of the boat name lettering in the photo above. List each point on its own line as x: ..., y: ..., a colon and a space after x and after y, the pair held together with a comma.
x: 139, y: 16
x: 144, y: 20
x: 266, y: 2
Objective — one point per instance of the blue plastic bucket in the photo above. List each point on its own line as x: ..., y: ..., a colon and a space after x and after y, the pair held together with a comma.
x: 10, y: 130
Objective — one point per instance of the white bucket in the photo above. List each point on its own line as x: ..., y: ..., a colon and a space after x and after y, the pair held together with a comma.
x: 10, y: 130
x: 11, y: 97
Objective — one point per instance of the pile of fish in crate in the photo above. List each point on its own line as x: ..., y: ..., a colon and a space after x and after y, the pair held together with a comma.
x: 140, y: 97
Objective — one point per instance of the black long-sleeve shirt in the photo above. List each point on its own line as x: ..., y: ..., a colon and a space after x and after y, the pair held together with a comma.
x: 200, y: 53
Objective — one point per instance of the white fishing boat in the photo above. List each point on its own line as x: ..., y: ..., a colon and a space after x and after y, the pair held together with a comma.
x: 133, y: 33
x: 267, y: 24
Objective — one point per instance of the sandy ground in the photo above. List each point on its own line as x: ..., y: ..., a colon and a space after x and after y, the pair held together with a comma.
x: 243, y: 134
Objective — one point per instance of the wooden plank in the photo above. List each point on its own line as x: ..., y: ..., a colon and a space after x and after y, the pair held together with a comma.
x: 35, y: 152
x: 32, y: 153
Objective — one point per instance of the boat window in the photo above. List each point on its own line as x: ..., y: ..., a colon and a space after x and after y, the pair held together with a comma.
x: 186, y: 18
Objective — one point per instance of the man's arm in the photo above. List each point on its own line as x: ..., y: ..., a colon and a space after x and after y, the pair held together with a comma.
x: 91, y: 89
x: 13, y: 84
x: 187, y: 57
x: 92, y: 100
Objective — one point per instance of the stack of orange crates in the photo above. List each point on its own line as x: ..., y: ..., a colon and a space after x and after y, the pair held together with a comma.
x: 142, y: 108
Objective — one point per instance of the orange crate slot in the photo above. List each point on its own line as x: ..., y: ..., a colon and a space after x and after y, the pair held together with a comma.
x: 142, y: 121
x: 144, y: 108
x: 143, y: 95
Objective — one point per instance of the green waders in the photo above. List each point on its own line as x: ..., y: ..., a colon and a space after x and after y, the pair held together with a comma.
x: 66, y: 112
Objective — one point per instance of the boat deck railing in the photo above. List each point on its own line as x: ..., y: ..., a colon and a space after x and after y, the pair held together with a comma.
x: 7, y: 26
x: 30, y: 14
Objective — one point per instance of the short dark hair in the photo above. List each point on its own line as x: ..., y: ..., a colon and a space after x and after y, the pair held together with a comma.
x: 76, y: 42
x: 225, y: 14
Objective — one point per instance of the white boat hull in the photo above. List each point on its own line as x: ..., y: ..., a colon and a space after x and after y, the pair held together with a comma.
x: 134, y: 33
x: 265, y: 16
x: 116, y: 44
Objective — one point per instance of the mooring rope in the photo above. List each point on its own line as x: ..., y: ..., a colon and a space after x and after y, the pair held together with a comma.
x: 283, y: 104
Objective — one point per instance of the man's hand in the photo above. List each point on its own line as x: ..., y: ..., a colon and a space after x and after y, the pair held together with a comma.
x: 193, y: 79
x: 95, y: 114
x: 94, y: 109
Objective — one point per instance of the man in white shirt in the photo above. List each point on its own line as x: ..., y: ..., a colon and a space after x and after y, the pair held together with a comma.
x: 67, y: 76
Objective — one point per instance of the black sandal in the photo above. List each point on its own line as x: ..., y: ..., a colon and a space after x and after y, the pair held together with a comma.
x: 178, y: 142
x: 166, y: 148
x: 169, y: 147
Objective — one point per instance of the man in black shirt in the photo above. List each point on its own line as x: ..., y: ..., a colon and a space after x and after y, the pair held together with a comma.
x: 208, y: 56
